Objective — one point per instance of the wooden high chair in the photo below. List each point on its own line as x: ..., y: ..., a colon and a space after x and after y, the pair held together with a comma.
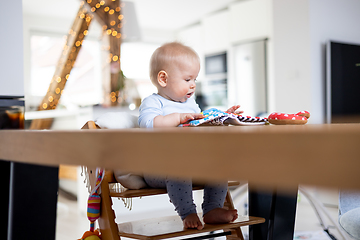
x: 157, y: 228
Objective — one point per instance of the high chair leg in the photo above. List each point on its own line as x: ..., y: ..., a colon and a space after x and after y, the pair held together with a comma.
x: 108, y: 226
x: 236, y: 232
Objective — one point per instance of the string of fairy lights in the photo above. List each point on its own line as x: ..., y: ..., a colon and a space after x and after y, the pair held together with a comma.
x: 112, y: 26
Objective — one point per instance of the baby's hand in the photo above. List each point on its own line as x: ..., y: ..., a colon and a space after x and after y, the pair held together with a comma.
x: 185, y: 117
x: 234, y: 108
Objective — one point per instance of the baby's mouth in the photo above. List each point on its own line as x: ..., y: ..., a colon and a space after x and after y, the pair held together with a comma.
x: 189, y: 95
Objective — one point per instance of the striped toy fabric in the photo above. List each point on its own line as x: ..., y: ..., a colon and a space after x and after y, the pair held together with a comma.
x: 216, y: 117
x: 94, y: 201
x: 93, y: 210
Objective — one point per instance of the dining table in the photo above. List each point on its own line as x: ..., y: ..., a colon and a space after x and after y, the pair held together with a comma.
x: 273, y: 159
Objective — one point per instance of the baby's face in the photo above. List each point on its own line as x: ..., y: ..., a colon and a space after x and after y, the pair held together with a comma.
x: 181, y: 80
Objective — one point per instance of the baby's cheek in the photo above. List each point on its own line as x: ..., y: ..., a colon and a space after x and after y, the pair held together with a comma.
x: 185, y: 90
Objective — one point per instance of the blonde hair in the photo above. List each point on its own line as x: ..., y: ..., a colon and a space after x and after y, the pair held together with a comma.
x: 167, y: 55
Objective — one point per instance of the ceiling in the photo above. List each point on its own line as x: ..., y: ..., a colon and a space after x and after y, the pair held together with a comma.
x: 167, y: 15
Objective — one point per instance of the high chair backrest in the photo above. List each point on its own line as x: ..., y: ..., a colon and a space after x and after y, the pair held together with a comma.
x: 91, y: 172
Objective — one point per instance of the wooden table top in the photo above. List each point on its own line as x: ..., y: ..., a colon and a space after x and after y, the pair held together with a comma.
x: 275, y: 155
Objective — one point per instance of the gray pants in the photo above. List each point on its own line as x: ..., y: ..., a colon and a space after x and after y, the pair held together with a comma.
x: 180, y: 194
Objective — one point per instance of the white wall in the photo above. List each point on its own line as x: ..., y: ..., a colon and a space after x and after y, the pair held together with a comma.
x: 216, y: 30
x: 329, y: 20
x: 11, y: 49
x: 301, y: 29
x: 250, y: 20
x: 291, y: 49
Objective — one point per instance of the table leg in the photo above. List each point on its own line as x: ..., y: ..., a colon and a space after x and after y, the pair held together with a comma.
x: 32, y: 201
x: 279, y: 211
x: 4, y: 200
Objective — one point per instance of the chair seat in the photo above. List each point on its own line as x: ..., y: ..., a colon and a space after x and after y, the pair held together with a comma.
x: 130, y: 193
x: 172, y: 226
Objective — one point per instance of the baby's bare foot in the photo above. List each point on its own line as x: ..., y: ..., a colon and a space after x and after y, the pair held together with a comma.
x: 193, y: 221
x: 220, y: 215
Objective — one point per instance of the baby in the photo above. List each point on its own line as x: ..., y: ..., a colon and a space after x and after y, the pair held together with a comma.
x: 174, y: 68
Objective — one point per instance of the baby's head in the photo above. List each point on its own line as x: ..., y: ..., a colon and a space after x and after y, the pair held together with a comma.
x: 173, y: 68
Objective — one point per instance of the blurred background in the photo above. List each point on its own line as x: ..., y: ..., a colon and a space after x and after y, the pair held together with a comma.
x: 266, y: 55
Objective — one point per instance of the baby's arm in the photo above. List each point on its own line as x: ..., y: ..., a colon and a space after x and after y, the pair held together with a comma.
x: 175, y: 119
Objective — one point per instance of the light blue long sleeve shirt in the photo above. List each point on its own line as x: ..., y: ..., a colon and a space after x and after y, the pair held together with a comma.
x: 155, y: 105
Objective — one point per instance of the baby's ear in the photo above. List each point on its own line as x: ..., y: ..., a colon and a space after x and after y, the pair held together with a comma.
x: 162, y: 78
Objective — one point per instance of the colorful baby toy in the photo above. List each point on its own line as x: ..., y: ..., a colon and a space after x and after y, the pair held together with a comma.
x: 216, y: 117
x: 93, y: 210
x: 284, y: 118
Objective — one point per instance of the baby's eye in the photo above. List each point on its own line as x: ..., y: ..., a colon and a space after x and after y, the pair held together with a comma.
x: 188, y: 80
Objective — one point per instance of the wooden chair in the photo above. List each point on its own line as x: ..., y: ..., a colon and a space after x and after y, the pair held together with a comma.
x: 157, y: 228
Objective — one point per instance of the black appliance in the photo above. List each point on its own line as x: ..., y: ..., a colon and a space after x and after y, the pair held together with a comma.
x: 343, y: 85
x: 214, y: 88
x: 29, y: 198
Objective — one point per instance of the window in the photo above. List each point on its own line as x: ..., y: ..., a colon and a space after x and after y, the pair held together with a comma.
x: 84, y: 84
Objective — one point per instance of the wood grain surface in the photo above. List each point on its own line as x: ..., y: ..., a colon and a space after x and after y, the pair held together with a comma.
x: 284, y: 156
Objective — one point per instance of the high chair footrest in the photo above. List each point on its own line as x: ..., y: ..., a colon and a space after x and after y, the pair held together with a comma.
x: 167, y: 227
